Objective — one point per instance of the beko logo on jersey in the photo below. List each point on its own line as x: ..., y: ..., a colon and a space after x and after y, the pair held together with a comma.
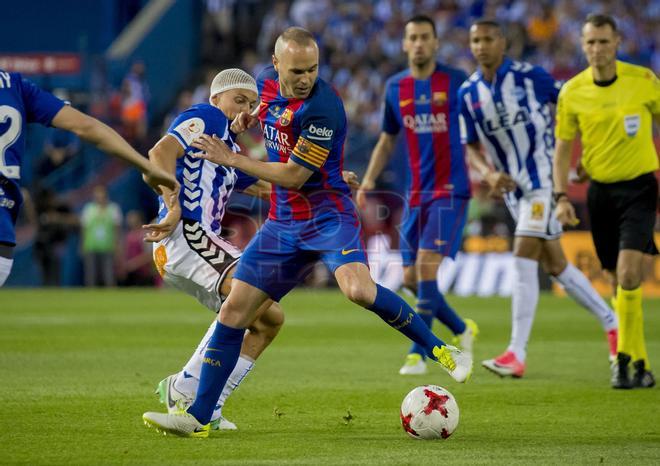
x: 426, y: 123
x: 321, y: 134
x: 276, y: 140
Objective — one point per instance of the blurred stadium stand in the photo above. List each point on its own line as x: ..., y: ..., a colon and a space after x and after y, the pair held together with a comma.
x: 90, y: 49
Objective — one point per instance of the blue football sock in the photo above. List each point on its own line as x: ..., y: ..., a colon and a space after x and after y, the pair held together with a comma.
x: 429, y: 296
x: 219, y: 361
x: 426, y: 314
x: 390, y: 307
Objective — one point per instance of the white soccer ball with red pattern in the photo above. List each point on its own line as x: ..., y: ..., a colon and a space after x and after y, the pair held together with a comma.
x: 429, y: 412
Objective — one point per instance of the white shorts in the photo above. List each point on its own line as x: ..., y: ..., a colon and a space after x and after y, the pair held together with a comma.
x: 534, y: 214
x: 196, y: 261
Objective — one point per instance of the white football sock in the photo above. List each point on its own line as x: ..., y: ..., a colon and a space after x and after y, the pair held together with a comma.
x: 188, y: 379
x: 243, y: 367
x: 579, y: 288
x: 523, y: 304
x: 5, y: 268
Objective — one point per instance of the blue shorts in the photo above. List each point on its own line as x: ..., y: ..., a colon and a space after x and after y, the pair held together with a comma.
x: 10, y: 201
x: 436, y: 225
x: 282, y: 253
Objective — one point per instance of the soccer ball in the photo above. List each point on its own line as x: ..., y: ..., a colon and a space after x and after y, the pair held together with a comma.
x: 429, y: 412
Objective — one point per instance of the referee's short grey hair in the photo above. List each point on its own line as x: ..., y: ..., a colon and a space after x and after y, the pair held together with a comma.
x: 233, y: 78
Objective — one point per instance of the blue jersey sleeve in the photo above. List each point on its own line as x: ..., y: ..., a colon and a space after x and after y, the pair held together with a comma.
x: 189, y: 125
x: 244, y: 181
x: 468, y: 128
x: 390, y: 123
x: 460, y: 77
x: 319, y: 126
x: 268, y: 73
x: 40, y: 106
x: 546, y: 87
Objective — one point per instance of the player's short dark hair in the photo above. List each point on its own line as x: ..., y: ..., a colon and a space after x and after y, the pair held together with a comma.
x: 295, y: 34
x: 298, y: 35
x: 491, y: 23
x: 421, y: 19
x: 599, y: 20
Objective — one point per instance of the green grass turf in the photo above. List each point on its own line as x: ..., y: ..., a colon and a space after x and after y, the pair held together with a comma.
x: 78, y: 368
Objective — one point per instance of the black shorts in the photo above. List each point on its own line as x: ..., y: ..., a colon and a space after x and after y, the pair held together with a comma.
x: 623, y: 217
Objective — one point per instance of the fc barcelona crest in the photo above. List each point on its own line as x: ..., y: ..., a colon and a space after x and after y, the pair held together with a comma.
x: 302, y: 146
x: 439, y: 98
x: 286, y: 117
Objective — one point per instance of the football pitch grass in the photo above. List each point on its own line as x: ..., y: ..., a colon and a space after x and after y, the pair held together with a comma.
x: 78, y: 369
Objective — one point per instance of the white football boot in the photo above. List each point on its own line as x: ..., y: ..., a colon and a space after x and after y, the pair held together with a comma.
x: 456, y: 362
x: 181, y: 424
x: 414, y: 365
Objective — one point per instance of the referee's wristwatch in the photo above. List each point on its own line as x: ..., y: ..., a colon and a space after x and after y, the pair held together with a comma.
x: 559, y: 196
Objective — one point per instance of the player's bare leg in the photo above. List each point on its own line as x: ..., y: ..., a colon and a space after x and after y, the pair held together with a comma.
x: 265, y: 326
x: 410, y: 278
x: 263, y: 331
x: 356, y: 284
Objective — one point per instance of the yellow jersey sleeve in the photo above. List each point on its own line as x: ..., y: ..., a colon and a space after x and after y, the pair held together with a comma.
x: 654, y: 93
x: 567, y: 122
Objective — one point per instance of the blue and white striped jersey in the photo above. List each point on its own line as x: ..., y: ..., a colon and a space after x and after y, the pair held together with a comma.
x: 512, y: 120
x: 205, y: 186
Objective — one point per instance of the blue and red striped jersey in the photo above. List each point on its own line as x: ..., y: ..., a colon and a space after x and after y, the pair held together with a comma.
x: 428, y: 111
x: 311, y: 132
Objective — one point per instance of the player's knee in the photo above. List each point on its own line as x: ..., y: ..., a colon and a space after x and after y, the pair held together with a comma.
x: 628, y: 277
x: 410, y: 278
x: 231, y: 314
x: 359, y: 294
x: 267, y: 326
x: 553, y: 267
x: 272, y: 320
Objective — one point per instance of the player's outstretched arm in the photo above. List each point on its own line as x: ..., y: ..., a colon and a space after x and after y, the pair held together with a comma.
x: 105, y: 138
x: 560, y: 167
x: 163, y: 155
x: 499, y: 182
x: 263, y: 188
x: 379, y: 158
x: 259, y: 189
x: 289, y: 175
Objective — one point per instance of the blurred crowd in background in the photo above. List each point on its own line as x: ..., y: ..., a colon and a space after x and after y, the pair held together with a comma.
x: 360, y: 43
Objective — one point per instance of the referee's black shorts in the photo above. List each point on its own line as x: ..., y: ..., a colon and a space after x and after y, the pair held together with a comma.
x: 623, y: 217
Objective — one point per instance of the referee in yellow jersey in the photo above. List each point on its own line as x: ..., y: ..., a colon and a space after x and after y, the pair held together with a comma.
x: 612, y: 105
